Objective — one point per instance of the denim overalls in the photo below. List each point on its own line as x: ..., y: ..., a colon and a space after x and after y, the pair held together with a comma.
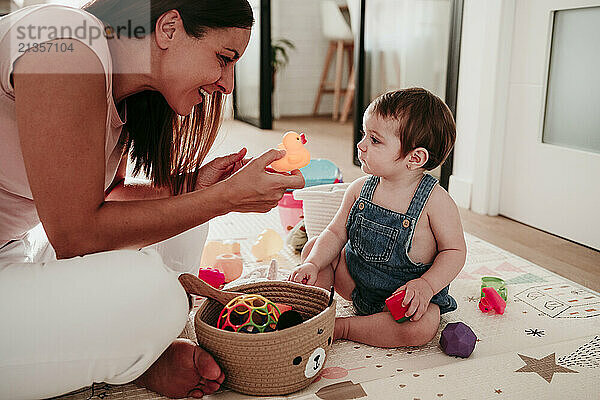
x: 377, y: 249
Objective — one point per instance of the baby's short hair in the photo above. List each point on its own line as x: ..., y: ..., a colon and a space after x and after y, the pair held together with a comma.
x: 424, y: 120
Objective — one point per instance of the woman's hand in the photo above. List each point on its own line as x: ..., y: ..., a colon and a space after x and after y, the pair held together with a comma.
x: 305, y: 273
x: 254, y: 189
x: 418, y: 295
x: 221, y: 168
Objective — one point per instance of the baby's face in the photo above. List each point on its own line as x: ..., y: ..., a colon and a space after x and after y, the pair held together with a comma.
x: 379, y: 149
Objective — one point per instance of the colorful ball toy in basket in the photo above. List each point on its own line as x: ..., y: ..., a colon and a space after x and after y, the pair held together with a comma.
x: 249, y: 313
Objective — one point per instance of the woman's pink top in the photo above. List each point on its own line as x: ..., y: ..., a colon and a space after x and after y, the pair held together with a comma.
x: 17, y: 207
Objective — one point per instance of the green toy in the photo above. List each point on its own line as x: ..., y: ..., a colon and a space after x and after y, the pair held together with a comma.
x: 496, y: 283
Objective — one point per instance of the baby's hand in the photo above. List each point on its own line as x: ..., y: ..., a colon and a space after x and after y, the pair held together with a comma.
x: 305, y: 273
x: 418, y: 295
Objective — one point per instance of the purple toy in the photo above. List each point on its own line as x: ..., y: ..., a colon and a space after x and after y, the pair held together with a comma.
x: 458, y: 340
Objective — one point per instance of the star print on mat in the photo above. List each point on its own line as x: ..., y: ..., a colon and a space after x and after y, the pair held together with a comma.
x: 341, y: 390
x: 535, y: 332
x: 545, y: 367
x: 586, y: 356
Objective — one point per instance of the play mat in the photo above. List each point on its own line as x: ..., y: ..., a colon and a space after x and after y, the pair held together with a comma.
x: 545, y: 346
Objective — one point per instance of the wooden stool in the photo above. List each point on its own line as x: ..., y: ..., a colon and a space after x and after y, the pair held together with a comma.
x: 335, y: 86
x: 337, y: 30
x: 348, y: 97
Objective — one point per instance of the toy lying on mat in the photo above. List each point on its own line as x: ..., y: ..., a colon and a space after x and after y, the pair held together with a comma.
x: 496, y: 283
x: 493, y: 294
x: 492, y: 301
x: 223, y: 256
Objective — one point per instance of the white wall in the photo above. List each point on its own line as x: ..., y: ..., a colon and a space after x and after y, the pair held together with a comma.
x: 407, y: 42
x: 413, y: 36
x: 467, y: 104
x: 481, y: 105
x: 297, y: 84
x: 247, y: 71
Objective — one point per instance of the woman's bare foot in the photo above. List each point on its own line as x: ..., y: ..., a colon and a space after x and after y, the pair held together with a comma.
x: 183, y: 370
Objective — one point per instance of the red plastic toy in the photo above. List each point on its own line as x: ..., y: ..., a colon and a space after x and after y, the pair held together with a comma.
x: 212, y: 276
x: 492, y: 301
x: 394, y: 304
x: 283, y: 307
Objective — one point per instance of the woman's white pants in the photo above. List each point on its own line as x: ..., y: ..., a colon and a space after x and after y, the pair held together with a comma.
x: 103, y: 317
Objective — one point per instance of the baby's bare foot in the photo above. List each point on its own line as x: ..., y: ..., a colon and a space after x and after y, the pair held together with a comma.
x: 183, y: 370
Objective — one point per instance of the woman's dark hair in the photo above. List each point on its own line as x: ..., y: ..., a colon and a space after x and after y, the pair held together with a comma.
x: 167, y: 147
x: 424, y: 120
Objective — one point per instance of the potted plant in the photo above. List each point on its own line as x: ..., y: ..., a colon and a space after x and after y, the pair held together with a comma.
x: 279, y: 55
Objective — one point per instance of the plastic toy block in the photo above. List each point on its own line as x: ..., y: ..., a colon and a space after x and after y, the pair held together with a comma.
x: 212, y: 276
x: 394, y: 304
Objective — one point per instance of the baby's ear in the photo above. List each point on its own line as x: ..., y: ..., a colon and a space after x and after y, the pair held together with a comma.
x: 417, y: 158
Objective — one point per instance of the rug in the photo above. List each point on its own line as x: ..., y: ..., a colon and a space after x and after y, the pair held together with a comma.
x: 545, y: 346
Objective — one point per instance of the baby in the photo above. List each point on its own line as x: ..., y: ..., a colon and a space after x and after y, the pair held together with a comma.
x: 396, y: 229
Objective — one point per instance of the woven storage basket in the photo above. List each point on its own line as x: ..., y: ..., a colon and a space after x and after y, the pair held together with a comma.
x: 320, y: 203
x: 272, y: 363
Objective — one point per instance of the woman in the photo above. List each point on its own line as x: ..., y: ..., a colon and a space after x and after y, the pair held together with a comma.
x: 82, y: 89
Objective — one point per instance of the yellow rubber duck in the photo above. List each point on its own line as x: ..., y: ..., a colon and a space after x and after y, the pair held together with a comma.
x: 296, y: 155
x: 267, y: 245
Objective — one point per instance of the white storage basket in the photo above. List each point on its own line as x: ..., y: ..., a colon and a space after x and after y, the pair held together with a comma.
x: 320, y: 203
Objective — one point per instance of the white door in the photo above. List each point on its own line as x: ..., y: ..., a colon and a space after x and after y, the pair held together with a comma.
x: 551, y: 165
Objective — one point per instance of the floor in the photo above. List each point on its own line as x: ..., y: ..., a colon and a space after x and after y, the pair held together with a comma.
x: 332, y: 140
x: 545, y: 345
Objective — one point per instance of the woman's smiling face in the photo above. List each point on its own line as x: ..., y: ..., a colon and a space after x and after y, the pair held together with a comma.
x: 190, y: 67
